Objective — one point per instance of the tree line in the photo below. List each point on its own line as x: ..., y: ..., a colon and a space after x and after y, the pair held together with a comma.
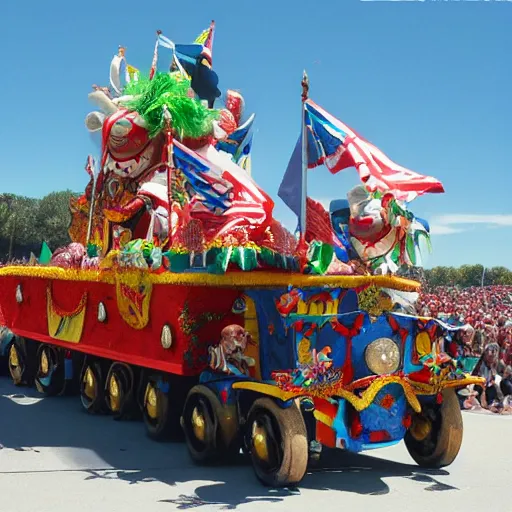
x: 26, y: 222
x: 468, y: 275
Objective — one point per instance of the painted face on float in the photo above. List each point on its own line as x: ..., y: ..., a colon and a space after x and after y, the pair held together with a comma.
x: 129, y: 150
x: 126, y: 146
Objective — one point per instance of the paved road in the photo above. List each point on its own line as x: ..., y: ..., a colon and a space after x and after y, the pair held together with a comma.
x: 56, y: 458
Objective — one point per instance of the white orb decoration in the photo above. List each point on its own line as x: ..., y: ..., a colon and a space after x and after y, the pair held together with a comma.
x: 102, y: 313
x: 19, y: 294
x: 166, y: 337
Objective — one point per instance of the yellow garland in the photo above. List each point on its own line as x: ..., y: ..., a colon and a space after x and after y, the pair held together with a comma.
x: 359, y: 403
x: 254, y: 279
x: 438, y: 384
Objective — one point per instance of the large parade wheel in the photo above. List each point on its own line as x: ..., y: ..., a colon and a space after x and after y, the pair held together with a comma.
x: 92, y: 387
x: 119, y: 391
x: 21, y: 362
x: 435, y: 436
x: 161, y: 415
x: 50, y: 376
x: 277, y: 441
x: 207, y: 428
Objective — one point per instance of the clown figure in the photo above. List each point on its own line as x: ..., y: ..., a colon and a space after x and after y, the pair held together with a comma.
x: 228, y: 356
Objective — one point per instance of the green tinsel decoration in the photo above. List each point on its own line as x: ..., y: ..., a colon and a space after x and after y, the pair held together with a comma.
x: 190, y: 118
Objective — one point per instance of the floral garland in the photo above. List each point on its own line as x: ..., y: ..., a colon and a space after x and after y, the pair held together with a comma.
x: 371, y: 300
x: 190, y: 325
x: 242, y: 279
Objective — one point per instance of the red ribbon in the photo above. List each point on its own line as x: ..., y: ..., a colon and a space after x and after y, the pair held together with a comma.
x: 401, y: 331
x: 348, y: 333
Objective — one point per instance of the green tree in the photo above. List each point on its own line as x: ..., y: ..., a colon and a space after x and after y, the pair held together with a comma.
x: 53, y: 219
x: 438, y: 276
x: 471, y: 275
x: 17, y: 223
x: 498, y: 275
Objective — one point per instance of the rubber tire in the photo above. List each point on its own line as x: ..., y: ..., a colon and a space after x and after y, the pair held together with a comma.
x: 446, y: 433
x: 97, y: 406
x: 168, y: 424
x: 128, y: 406
x: 292, y: 442
x: 57, y: 381
x: 215, y: 450
x: 27, y: 357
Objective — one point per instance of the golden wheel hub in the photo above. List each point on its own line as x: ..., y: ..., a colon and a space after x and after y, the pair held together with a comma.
x: 259, y: 442
x: 151, y: 401
x: 90, y: 384
x: 114, y: 393
x: 13, y: 357
x: 44, y: 365
x: 198, y: 424
x: 420, y: 428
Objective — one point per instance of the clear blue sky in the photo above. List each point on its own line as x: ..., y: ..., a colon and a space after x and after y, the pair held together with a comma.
x: 429, y: 83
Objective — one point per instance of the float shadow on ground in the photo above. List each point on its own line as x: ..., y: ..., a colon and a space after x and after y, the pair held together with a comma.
x: 102, y: 448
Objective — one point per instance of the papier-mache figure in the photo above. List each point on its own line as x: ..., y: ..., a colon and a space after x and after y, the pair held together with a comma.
x: 209, y: 159
x: 383, y: 232
x: 228, y: 356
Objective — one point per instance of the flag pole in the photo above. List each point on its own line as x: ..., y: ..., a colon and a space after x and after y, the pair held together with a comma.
x: 170, y: 166
x: 91, y: 166
x: 155, y: 56
x: 303, y: 209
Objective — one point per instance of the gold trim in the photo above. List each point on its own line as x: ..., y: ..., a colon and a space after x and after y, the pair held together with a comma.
x: 231, y: 279
x: 359, y: 403
x: 323, y: 418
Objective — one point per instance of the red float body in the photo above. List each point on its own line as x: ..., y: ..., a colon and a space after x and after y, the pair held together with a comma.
x: 115, y: 339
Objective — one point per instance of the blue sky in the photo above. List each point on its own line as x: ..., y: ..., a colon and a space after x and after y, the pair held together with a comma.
x: 428, y: 82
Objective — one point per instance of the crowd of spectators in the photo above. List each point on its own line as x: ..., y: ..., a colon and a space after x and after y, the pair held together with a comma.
x: 486, y: 314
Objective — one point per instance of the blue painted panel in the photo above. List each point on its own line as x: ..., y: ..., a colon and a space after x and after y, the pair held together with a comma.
x: 277, y: 349
x: 376, y: 417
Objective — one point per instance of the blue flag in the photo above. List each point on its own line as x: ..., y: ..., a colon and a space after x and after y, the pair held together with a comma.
x: 290, y: 190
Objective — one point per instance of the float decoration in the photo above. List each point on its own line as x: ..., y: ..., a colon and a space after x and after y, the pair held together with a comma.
x: 180, y: 282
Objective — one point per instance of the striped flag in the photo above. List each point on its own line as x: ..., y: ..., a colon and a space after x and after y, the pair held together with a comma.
x: 221, y: 194
x: 165, y: 42
x: 337, y: 146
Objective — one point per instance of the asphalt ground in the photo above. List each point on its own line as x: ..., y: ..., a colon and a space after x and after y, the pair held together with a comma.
x: 56, y: 458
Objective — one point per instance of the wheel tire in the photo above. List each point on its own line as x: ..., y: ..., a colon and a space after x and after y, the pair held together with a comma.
x: 204, y: 416
x: 119, y: 392
x: 442, y: 444
x: 92, y: 387
x: 283, y: 434
x: 50, y: 376
x: 21, y: 359
x: 160, y: 413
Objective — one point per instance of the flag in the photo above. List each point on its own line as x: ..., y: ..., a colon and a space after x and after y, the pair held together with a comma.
x: 239, y: 142
x: 202, y: 37
x: 165, y: 42
x: 206, y: 36
x: 133, y: 73
x: 46, y: 254
x: 337, y: 146
x: 290, y: 190
x: 206, y: 40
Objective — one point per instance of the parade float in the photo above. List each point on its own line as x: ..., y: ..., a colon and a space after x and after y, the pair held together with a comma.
x: 183, y: 299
